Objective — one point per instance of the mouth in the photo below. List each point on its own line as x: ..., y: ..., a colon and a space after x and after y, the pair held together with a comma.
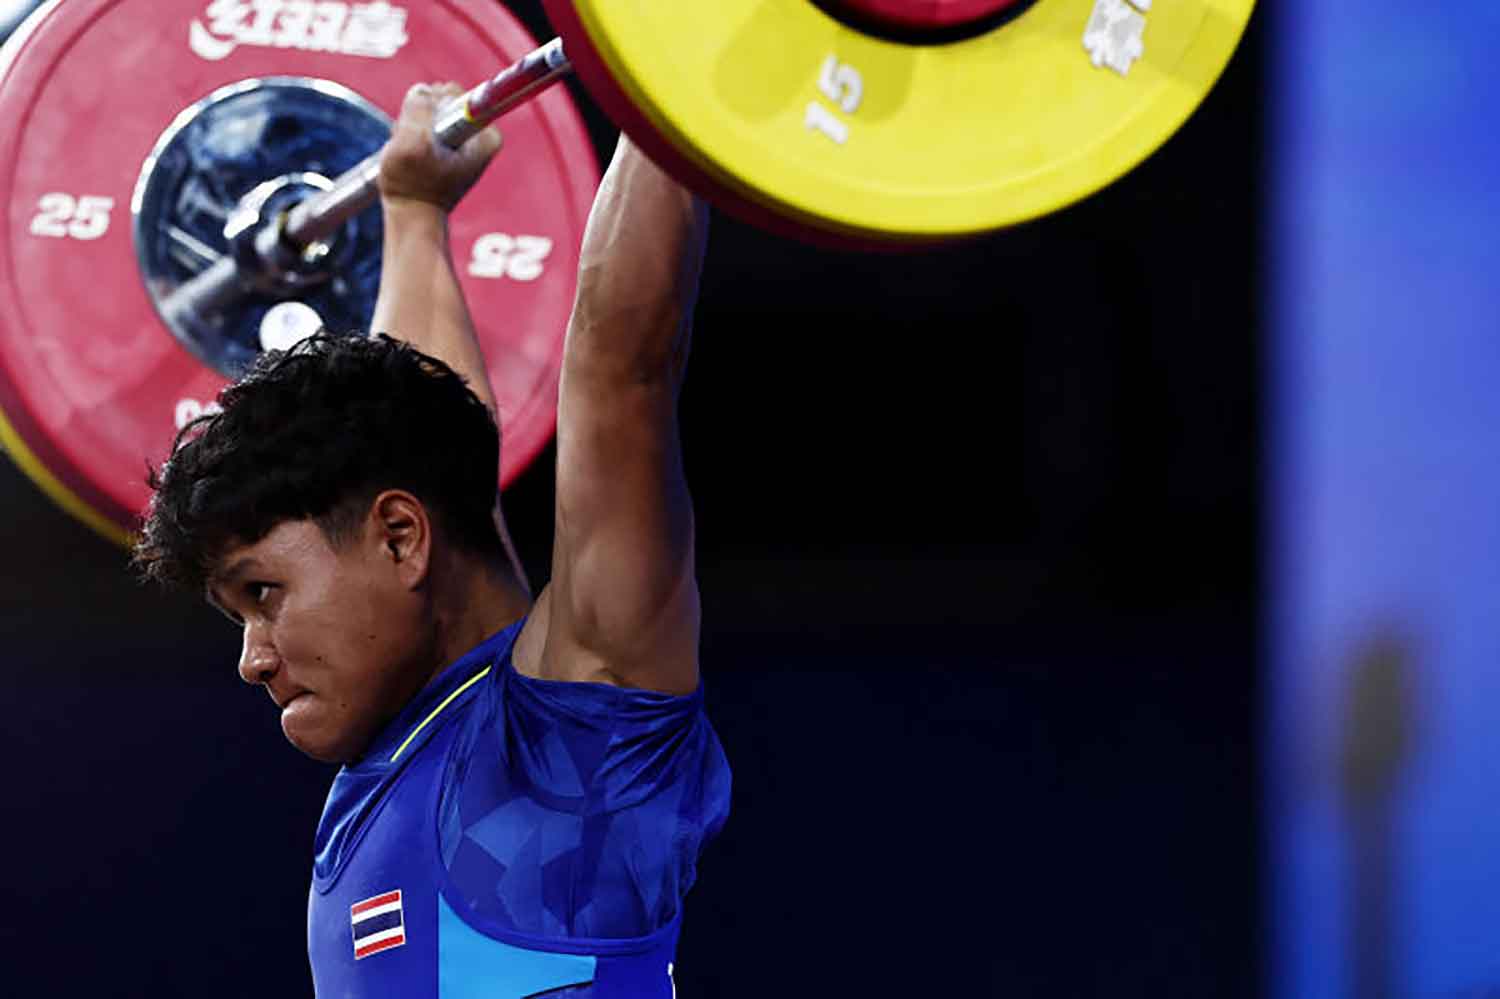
x: 284, y: 703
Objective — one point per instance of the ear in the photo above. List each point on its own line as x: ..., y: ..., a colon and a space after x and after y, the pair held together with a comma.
x: 403, y: 532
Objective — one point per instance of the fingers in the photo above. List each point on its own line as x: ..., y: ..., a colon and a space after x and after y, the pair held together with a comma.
x: 414, y: 166
x: 488, y: 142
x: 419, y: 107
x: 424, y: 100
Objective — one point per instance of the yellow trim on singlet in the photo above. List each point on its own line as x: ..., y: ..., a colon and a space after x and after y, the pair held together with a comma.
x: 437, y: 710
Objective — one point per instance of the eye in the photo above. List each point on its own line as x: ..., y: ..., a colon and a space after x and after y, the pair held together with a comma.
x: 258, y: 593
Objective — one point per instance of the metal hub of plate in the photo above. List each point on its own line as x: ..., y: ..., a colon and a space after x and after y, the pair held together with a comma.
x: 93, y: 384
x: 202, y: 195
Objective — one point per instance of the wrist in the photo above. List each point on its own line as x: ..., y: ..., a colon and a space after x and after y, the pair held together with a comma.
x: 413, y: 213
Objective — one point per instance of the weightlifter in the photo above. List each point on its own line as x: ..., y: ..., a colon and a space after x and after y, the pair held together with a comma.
x: 526, y: 784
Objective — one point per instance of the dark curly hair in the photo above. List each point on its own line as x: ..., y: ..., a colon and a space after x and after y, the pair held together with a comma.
x: 317, y: 432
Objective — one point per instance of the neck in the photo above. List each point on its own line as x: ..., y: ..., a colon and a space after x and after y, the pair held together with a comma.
x: 476, y: 600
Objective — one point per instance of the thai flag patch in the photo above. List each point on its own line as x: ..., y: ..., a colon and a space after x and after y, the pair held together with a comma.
x: 377, y: 924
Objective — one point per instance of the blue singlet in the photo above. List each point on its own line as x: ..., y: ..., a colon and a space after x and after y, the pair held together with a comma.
x: 507, y: 837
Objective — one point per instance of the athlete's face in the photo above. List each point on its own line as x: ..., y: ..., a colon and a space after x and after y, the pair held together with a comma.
x: 335, y: 635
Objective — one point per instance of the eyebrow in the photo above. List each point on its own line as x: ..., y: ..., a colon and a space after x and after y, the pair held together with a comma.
x: 236, y: 569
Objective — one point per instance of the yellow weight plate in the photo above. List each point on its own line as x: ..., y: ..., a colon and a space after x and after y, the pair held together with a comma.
x: 883, y: 139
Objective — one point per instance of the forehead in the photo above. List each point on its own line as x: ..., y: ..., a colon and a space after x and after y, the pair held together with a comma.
x: 290, y: 543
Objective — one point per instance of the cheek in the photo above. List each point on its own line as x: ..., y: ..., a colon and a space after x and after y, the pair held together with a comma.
x: 341, y: 622
x: 388, y: 626
x: 352, y: 639
x: 363, y: 649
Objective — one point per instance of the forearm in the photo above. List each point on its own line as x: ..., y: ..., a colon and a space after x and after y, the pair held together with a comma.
x: 420, y: 299
x: 638, y: 274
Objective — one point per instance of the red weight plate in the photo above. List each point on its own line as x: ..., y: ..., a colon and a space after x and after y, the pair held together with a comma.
x: 919, y: 16
x: 90, y: 382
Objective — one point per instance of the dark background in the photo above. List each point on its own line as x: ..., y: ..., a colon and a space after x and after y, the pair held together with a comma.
x: 978, y: 549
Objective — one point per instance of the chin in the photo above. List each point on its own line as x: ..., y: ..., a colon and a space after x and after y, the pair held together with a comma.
x: 318, y: 750
x: 321, y: 753
x: 325, y: 747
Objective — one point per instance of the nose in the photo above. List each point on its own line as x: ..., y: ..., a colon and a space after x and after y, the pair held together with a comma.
x: 258, y: 659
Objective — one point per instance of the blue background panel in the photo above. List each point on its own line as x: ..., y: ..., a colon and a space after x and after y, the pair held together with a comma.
x: 1384, y: 576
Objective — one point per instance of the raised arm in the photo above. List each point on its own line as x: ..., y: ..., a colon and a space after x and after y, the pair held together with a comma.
x: 420, y: 183
x: 622, y: 606
x: 420, y: 299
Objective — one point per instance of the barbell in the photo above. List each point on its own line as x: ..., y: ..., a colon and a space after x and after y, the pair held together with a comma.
x: 248, y: 168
